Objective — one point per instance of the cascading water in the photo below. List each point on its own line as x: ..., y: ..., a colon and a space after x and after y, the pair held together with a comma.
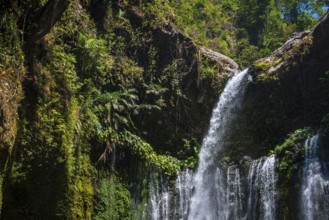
x: 256, y: 199
x: 204, y: 204
x: 268, y: 181
x: 159, y: 196
x: 219, y: 193
x: 169, y: 203
x: 184, y: 186
x: 262, y: 180
x: 315, y: 186
x: 228, y: 194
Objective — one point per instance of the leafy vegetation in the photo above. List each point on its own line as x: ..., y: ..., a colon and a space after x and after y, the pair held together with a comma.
x: 290, y: 154
x: 245, y: 30
x: 114, y: 90
x: 114, y: 200
x: 89, y: 93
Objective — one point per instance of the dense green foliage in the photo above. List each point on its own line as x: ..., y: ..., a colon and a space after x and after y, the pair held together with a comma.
x: 290, y: 154
x: 246, y: 29
x: 94, y: 88
x: 114, y: 200
x: 114, y: 92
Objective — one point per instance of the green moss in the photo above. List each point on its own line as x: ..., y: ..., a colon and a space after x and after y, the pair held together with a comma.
x: 11, y: 74
x: 299, y: 49
x: 290, y: 154
x: 266, y: 78
x: 50, y: 166
x: 212, y: 71
x: 90, y: 86
x: 295, y: 137
x: 262, y: 66
x: 306, y: 45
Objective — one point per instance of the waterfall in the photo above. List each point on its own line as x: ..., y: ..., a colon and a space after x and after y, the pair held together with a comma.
x: 256, y: 199
x: 184, y: 186
x: 169, y: 202
x: 315, y: 183
x: 253, y: 186
x: 215, y: 192
x: 203, y: 203
x: 262, y: 179
x: 268, y: 180
x: 229, y: 194
x: 159, y: 198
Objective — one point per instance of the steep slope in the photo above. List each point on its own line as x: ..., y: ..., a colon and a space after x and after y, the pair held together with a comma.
x: 109, y: 91
x: 100, y: 97
x: 290, y: 88
x: 286, y: 103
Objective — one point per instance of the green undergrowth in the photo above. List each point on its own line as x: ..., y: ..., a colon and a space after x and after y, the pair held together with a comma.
x: 98, y: 88
x: 114, y: 79
x: 112, y: 199
x: 167, y: 164
x: 245, y: 30
x: 291, y: 156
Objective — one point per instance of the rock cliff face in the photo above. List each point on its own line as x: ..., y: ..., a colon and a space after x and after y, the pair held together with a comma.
x: 188, y: 116
x: 95, y: 94
x: 288, y: 91
x: 286, y: 102
x: 85, y: 78
x: 309, y: 48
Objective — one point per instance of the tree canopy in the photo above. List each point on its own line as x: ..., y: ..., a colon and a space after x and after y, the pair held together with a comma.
x: 246, y: 29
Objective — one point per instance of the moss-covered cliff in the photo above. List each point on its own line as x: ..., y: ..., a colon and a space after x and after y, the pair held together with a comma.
x: 286, y: 102
x: 288, y: 91
x: 93, y: 94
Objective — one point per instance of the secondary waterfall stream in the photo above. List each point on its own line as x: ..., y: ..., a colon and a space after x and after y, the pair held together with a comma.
x: 315, y: 185
x: 184, y: 185
x: 262, y: 179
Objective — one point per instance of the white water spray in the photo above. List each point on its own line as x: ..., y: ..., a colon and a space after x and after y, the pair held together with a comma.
x: 315, y: 186
x: 204, y: 204
x: 220, y: 193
